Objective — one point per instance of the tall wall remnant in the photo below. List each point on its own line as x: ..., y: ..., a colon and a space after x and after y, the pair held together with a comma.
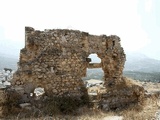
x: 57, y: 59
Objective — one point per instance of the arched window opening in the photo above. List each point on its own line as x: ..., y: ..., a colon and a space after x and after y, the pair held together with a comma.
x: 94, y: 58
x: 94, y: 70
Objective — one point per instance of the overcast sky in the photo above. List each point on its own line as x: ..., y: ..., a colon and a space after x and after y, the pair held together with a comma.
x: 136, y: 22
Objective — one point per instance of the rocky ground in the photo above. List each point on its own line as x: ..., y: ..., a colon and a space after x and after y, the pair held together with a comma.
x: 5, y: 78
x: 149, y: 110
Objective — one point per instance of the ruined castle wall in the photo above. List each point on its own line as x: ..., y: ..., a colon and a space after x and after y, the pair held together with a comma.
x: 57, y: 59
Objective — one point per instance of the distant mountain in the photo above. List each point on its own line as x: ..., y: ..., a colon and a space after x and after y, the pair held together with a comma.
x: 141, y: 63
x: 134, y: 62
x: 8, y: 61
x: 137, y: 66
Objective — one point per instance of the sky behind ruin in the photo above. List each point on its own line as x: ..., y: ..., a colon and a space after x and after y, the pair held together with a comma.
x: 136, y: 22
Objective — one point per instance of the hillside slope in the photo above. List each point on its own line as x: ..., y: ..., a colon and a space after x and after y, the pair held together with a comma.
x: 141, y: 63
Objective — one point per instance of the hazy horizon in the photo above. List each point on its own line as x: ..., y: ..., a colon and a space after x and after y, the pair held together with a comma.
x: 135, y: 22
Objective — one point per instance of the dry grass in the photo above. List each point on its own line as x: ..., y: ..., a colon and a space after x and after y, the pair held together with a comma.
x: 150, y: 106
x: 86, y: 114
x: 145, y: 111
x: 134, y: 112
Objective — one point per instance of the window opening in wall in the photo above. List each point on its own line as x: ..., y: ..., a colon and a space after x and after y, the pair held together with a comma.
x: 94, y: 77
x: 94, y: 73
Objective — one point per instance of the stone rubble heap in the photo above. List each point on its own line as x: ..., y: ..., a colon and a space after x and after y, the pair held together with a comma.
x: 5, y: 78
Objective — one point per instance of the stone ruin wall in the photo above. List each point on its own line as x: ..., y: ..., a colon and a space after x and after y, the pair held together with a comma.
x: 58, y: 59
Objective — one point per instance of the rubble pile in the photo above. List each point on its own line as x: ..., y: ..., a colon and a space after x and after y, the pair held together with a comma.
x: 6, y: 76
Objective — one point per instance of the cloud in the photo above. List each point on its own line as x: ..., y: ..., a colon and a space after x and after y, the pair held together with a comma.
x: 148, y: 6
x: 118, y: 17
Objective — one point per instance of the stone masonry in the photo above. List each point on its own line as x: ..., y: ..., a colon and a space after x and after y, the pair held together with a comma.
x: 58, y: 59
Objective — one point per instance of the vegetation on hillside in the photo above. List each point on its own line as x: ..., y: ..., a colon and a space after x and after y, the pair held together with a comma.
x: 136, y: 75
x: 143, y: 76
